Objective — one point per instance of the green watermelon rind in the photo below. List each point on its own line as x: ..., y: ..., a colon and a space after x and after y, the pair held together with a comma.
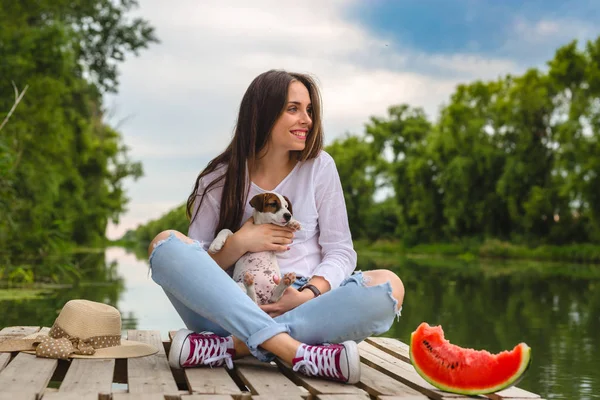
x: 513, y: 380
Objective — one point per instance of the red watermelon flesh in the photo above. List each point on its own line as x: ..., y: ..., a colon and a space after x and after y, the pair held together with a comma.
x: 461, y: 370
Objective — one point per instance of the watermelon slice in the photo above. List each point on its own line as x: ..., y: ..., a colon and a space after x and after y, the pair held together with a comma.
x: 466, y: 371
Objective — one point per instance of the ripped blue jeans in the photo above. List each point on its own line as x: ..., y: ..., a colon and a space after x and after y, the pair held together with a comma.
x: 207, y: 299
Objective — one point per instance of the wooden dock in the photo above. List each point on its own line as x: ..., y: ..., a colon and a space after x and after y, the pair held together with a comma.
x: 386, y: 374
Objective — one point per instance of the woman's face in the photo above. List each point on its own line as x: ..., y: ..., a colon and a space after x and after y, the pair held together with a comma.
x: 292, y: 127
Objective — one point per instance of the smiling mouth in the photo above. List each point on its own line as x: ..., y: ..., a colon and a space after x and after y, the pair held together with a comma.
x: 299, y: 134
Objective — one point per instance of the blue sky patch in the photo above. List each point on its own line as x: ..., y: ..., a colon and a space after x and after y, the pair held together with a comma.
x: 488, y: 28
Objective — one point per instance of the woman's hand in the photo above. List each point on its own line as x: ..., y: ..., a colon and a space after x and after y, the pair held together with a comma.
x: 264, y: 237
x: 291, y: 299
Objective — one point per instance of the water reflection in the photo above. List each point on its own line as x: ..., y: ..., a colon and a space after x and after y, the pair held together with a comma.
x: 114, y: 277
x: 101, y: 282
x: 555, y: 309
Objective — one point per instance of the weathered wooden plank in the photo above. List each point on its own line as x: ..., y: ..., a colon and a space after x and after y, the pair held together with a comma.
x: 89, y: 376
x: 378, y: 384
x: 16, y: 331
x: 70, y: 396
x: 17, y: 396
x: 138, y: 396
x: 151, y: 374
x: 402, y: 397
x: 4, y: 359
x: 210, y: 381
x: 318, y: 385
x: 206, y: 397
x: 402, y: 371
x: 391, y: 346
x: 513, y: 393
x: 264, y: 378
x: 10, y: 333
x: 27, y: 373
x: 343, y: 397
x: 279, y: 397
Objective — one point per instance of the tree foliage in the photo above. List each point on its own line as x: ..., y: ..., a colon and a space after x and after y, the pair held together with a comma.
x: 61, y: 167
x: 517, y: 158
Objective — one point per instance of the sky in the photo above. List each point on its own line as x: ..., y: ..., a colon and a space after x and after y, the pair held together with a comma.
x: 178, y: 100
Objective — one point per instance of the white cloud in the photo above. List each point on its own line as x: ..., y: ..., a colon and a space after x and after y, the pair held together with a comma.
x: 471, y: 65
x: 531, y: 41
x: 181, y: 96
x: 549, y: 30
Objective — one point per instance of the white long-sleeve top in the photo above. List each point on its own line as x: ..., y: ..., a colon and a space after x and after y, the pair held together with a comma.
x: 323, y: 247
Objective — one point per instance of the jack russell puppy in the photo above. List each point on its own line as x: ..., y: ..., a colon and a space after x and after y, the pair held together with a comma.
x: 254, y: 272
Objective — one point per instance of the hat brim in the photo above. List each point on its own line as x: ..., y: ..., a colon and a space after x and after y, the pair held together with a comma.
x: 127, y: 349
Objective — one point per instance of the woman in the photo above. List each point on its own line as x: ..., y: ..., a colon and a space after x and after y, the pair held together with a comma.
x: 277, y: 146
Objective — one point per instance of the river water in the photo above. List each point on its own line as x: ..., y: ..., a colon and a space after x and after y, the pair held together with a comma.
x: 554, y: 308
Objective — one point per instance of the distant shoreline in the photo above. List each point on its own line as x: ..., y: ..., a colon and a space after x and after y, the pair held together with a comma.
x: 585, y: 253
x: 490, y: 249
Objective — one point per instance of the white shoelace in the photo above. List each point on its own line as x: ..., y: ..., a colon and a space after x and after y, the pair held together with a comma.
x: 318, y: 358
x: 206, y: 347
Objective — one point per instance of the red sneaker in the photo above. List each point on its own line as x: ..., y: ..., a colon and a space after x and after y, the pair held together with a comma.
x: 190, y: 349
x: 339, y: 362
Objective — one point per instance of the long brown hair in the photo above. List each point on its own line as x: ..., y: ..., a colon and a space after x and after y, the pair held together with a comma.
x: 264, y: 101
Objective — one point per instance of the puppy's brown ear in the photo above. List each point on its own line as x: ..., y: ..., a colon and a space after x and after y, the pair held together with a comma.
x: 289, y: 205
x: 258, y: 201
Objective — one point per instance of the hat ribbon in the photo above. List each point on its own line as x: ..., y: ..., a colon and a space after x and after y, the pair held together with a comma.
x: 60, y: 345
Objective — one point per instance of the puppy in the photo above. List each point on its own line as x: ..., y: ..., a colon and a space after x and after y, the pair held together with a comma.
x: 254, y: 272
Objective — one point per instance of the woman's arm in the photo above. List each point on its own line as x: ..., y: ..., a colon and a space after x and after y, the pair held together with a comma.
x: 230, y: 252
x: 253, y: 238
x: 202, y: 228
x: 335, y: 239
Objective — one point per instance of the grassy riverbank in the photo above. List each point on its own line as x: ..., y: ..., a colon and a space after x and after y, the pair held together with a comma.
x: 471, y: 250
x: 462, y: 250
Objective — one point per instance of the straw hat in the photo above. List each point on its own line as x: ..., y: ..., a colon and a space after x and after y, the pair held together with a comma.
x: 83, y: 329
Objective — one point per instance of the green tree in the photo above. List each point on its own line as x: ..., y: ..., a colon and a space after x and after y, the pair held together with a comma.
x: 62, y: 166
x: 355, y: 162
x: 515, y: 158
x: 407, y: 171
